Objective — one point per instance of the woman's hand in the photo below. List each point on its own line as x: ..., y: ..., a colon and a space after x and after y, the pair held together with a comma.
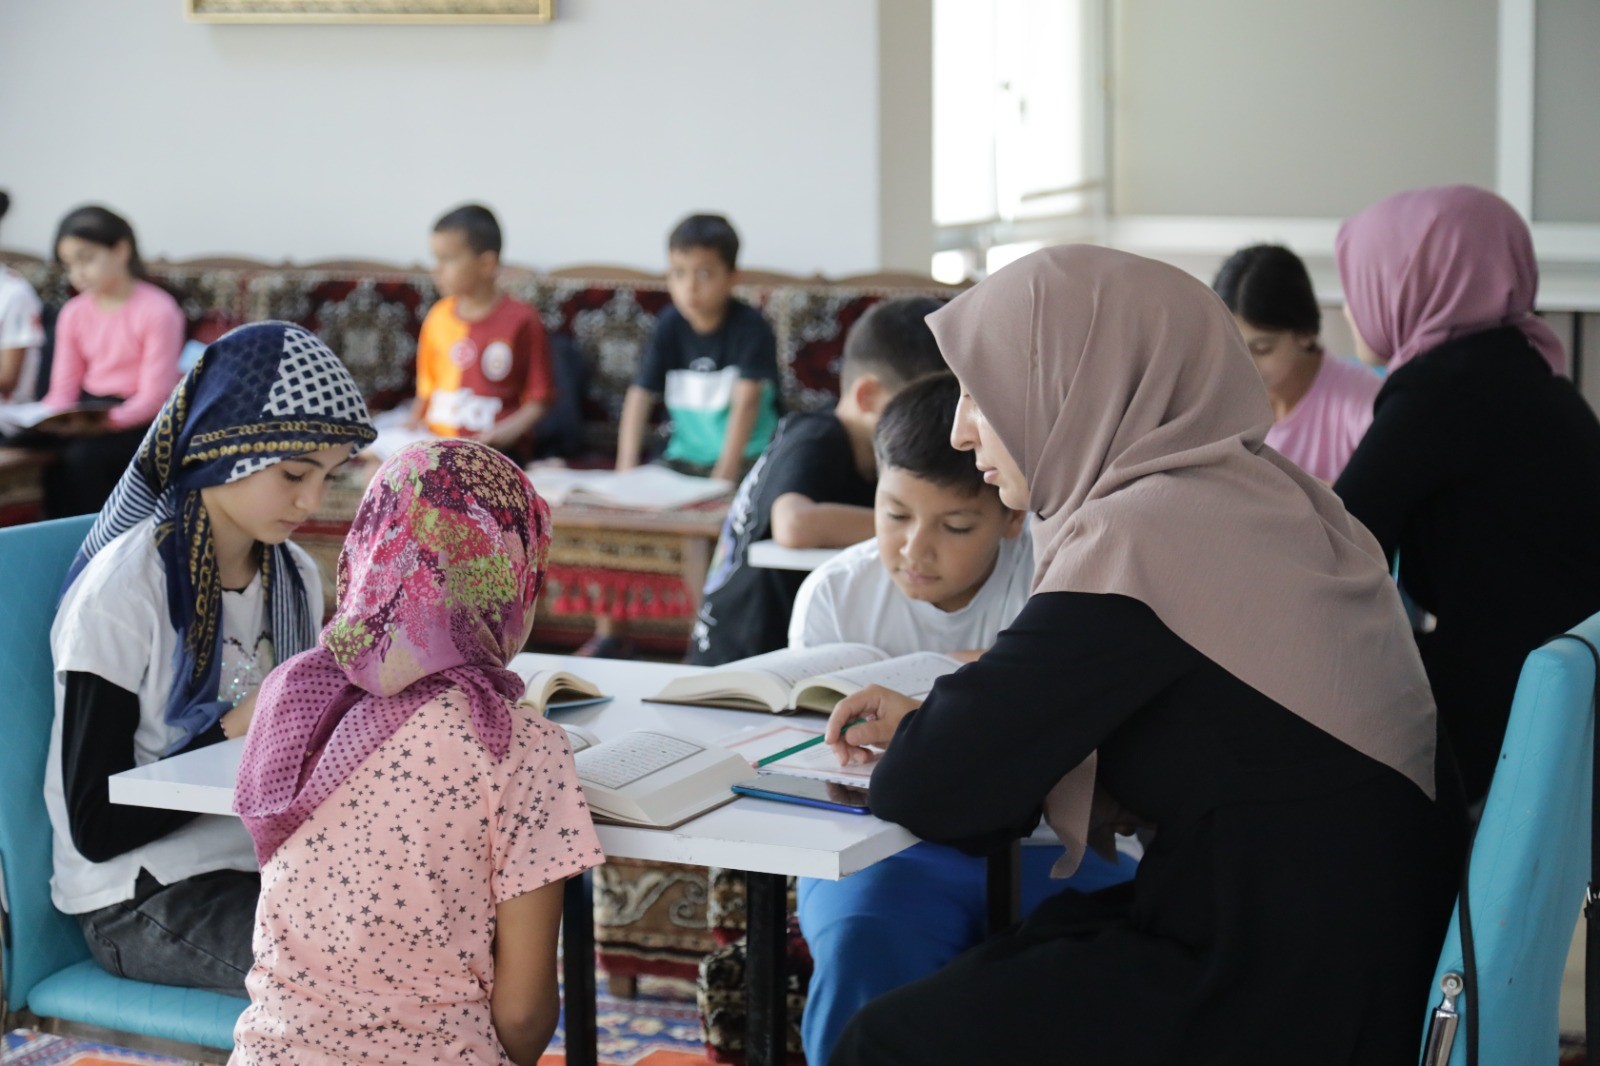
x: 236, y: 723
x: 869, y: 717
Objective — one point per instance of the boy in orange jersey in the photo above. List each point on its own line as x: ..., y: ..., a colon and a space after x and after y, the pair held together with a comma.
x: 483, y: 363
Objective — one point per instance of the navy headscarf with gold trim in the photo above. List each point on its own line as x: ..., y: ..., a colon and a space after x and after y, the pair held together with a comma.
x: 259, y: 394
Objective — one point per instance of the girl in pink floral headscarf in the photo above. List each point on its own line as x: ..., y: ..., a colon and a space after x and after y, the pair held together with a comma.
x: 414, y: 826
x: 1481, y: 463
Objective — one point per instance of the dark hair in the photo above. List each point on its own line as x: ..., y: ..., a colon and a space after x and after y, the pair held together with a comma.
x: 892, y: 342
x: 913, y: 435
x: 5, y: 203
x: 1267, y: 286
x: 474, y: 222
x: 102, y: 226
x: 706, y: 231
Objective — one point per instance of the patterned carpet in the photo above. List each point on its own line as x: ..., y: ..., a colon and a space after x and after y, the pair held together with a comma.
x: 660, y: 1027
x: 655, y: 1030
x: 24, y: 1047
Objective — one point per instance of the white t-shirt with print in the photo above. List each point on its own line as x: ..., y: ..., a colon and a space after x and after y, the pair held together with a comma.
x: 21, y: 327
x: 113, y: 623
x: 851, y: 598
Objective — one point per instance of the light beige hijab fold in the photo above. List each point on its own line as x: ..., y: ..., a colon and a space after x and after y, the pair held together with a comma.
x: 1123, y: 390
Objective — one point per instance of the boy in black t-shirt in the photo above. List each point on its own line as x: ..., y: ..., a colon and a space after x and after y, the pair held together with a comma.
x: 712, y: 357
x: 812, y: 488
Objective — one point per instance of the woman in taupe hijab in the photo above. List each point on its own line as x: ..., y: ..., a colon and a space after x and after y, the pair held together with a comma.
x: 1213, y: 648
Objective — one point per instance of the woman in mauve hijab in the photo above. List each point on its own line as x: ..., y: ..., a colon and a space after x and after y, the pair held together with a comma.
x: 1213, y: 649
x: 1482, y: 465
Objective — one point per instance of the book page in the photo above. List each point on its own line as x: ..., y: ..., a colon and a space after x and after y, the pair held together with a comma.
x: 646, y: 488
x: 630, y: 758
x: 818, y: 761
x: 15, y: 417
x: 392, y: 439
x: 548, y: 690
x: 579, y: 739
x: 790, y: 666
x: 912, y: 674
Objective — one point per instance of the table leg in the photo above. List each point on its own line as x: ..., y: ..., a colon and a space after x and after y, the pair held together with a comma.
x: 577, y: 962
x: 1005, y: 887
x: 696, y: 554
x: 765, y: 989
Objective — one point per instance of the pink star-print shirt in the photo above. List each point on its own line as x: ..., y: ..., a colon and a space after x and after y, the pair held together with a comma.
x: 375, y: 933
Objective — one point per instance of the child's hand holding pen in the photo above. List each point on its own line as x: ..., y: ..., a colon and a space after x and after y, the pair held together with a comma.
x: 866, y: 719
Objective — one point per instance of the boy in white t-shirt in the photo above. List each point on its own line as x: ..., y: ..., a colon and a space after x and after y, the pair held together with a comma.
x: 21, y: 331
x: 950, y: 568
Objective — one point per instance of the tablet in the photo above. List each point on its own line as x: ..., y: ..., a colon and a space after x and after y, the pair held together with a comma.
x: 829, y: 795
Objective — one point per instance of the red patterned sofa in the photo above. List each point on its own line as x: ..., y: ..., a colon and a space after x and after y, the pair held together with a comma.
x: 370, y: 313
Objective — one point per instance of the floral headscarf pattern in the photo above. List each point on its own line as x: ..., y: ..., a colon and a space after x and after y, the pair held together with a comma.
x: 437, y: 586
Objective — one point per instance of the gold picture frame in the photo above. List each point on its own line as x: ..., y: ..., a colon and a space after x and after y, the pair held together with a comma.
x: 371, y: 11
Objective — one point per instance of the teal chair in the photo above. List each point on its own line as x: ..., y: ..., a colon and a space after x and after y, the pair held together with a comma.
x: 44, y: 964
x: 1529, y: 865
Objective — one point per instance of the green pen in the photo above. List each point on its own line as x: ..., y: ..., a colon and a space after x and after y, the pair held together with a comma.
x: 804, y: 744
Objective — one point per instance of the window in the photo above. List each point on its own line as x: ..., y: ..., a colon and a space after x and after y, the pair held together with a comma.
x: 1016, y: 106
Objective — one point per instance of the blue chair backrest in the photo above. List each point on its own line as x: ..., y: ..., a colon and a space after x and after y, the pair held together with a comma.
x: 39, y: 940
x: 1530, y: 859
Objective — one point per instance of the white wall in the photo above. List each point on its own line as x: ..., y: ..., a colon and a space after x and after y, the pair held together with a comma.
x: 1297, y: 107
x: 1566, y: 154
x: 589, y: 136
x: 1238, y: 121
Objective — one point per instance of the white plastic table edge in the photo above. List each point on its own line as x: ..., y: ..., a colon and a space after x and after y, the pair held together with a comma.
x: 770, y: 555
x: 202, y: 782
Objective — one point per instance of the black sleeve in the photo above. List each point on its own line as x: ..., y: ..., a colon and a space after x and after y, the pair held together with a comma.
x: 98, y: 722
x: 972, y: 766
x: 809, y: 454
x: 1408, y: 454
x: 757, y: 353
x: 657, y: 358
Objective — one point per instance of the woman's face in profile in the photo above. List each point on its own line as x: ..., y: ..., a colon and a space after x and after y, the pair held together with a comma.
x: 973, y: 433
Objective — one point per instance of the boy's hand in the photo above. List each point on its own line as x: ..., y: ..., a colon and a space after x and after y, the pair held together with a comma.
x: 497, y: 436
x: 876, y: 713
x: 743, y: 411
x: 419, y: 412
x: 636, y: 408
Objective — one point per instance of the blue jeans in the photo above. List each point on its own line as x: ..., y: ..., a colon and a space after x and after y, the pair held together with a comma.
x: 905, y: 918
x: 193, y: 933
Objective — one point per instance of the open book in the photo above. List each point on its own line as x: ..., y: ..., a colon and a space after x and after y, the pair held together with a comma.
x: 556, y: 690
x: 807, y: 679
x: 644, y: 488
x: 652, y: 777
x: 17, y: 417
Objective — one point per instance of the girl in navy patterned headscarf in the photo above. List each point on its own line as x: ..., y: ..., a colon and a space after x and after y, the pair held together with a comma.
x: 184, y: 595
x: 263, y: 392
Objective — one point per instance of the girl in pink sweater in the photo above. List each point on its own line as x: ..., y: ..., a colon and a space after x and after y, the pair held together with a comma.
x: 119, y: 339
x: 1322, y: 405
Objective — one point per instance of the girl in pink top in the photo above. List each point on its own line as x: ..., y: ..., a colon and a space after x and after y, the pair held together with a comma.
x: 1322, y: 405
x: 414, y: 826
x: 118, y: 339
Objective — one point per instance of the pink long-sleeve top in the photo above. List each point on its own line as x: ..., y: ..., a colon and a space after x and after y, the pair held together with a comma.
x: 131, y: 351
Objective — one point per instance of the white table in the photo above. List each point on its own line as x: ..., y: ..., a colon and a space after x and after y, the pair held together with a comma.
x: 770, y: 555
x: 759, y: 836
x: 766, y: 839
